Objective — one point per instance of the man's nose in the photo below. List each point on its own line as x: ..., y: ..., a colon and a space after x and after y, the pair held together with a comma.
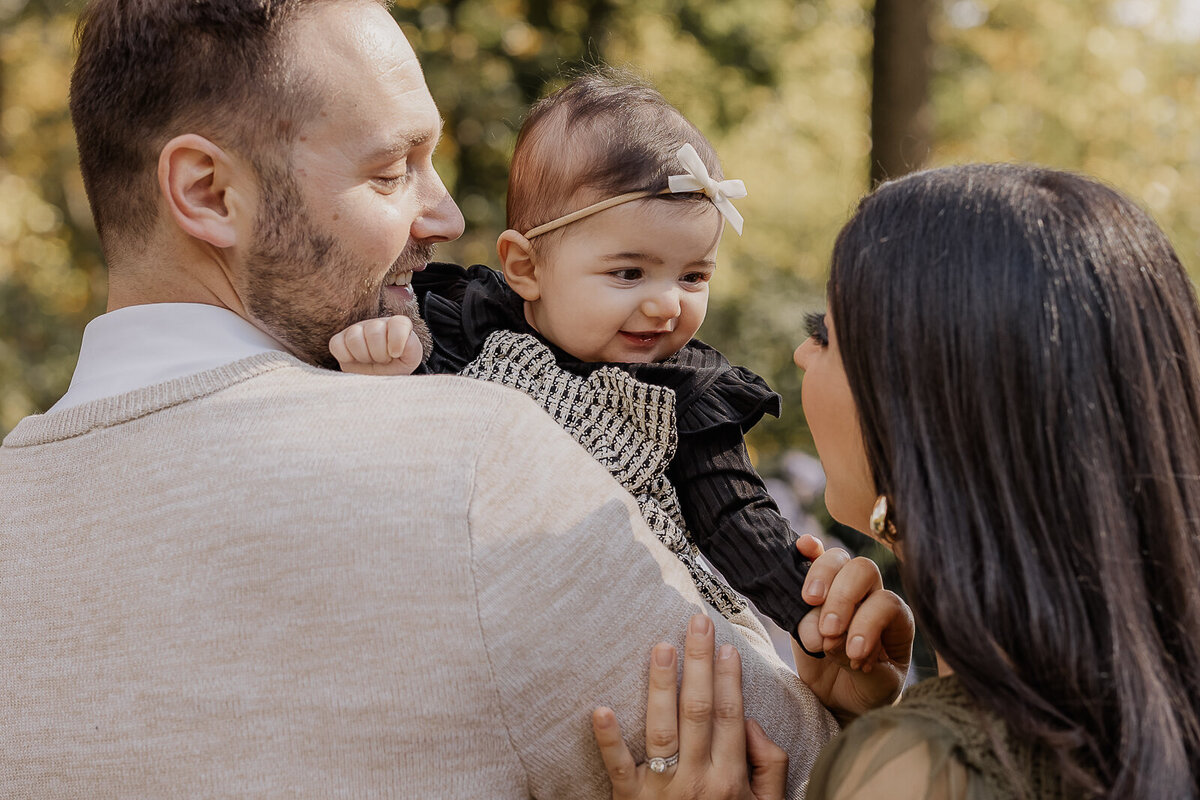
x: 441, y: 220
x: 662, y: 304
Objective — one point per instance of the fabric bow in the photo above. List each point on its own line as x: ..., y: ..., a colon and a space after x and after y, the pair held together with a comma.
x: 697, y: 179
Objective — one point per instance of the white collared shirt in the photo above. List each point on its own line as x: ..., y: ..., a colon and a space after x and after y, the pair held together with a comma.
x: 138, y: 346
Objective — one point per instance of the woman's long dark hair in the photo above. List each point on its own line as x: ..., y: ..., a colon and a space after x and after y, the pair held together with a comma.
x: 1023, y: 346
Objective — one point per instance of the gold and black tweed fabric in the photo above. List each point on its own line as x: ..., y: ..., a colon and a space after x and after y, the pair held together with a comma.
x: 627, y: 425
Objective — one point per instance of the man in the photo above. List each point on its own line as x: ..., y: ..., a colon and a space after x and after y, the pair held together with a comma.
x: 227, y: 572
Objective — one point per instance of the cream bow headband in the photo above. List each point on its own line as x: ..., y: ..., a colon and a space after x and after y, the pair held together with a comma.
x: 697, y: 179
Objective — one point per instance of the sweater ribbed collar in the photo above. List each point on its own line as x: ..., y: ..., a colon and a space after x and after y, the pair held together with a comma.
x: 107, y: 412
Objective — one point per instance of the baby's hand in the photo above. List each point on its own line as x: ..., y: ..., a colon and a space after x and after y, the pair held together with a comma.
x: 385, y: 346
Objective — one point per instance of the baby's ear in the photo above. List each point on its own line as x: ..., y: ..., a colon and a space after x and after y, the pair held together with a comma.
x: 516, y: 261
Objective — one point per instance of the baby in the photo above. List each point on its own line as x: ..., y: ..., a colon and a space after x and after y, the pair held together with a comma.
x: 616, y: 206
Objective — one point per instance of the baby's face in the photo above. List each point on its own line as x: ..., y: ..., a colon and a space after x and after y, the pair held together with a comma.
x: 629, y: 284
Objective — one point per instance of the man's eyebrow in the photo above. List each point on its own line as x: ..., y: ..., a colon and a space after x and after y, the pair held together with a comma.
x: 407, y: 141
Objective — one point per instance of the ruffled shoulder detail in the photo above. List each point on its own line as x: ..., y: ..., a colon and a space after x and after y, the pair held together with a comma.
x: 948, y: 745
x: 461, y: 307
x: 709, y: 391
x: 464, y: 306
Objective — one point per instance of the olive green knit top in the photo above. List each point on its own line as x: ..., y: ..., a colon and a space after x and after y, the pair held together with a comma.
x: 936, y: 744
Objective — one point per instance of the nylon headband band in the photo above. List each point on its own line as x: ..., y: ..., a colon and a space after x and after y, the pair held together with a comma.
x: 587, y: 211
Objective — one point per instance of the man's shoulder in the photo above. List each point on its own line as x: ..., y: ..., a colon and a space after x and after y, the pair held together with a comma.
x: 322, y: 391
x: 452, y: 413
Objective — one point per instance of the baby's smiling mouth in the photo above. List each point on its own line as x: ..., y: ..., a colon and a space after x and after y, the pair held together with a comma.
x: 644, y: 337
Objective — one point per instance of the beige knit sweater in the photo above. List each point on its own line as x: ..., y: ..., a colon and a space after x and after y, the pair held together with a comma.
x: 268, y: 580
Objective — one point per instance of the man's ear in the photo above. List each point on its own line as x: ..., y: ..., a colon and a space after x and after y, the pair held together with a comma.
x: 516, y: 261
x: 204, y: 189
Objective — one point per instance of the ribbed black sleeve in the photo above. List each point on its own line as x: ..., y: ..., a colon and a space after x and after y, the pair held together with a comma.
x: 737, y: 525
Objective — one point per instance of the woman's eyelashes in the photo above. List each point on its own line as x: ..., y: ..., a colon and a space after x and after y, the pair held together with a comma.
x: 814, y: 321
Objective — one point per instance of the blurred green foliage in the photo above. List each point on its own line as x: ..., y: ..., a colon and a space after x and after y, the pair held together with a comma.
x: 782, y: 87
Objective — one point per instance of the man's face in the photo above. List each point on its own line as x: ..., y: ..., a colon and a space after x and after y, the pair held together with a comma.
x: 339, y: 234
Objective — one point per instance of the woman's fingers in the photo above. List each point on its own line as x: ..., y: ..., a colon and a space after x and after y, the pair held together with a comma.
x: 768, y: 763
x: 852, y: 584
x: 821, y: 574
x: 662, y: 722
x: 696, y: 691
x: 617, y: 759
x: 729, y: 721
x: 877, y: 616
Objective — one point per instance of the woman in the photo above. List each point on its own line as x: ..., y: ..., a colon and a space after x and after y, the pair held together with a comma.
x: 1006, y: 388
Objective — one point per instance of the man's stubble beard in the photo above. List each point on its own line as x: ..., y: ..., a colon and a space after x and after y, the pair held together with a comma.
x: 297, y: 277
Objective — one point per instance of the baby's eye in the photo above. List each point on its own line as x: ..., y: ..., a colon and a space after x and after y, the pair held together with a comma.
x: 696, y: 277
x: 815, y: 323
x: 630, y: 274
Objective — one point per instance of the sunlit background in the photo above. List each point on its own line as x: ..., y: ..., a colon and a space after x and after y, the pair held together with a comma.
x: 784, y: 89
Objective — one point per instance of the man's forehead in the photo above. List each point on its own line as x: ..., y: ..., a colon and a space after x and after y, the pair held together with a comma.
x: 367, y: 76
x: 347, y: 45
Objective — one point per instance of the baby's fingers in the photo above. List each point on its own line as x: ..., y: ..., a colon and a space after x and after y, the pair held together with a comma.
x: 350, y: 346
x: 375, y: 337
x: 403, y: 343
x: 617, y: 759
x: 398, y: 328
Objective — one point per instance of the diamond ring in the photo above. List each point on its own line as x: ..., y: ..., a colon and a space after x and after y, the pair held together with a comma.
x: 660, y: 765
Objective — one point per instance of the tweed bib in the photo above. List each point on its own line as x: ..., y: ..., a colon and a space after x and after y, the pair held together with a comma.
x: 627, y: 425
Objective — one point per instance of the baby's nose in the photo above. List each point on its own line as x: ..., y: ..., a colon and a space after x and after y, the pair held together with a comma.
x: 662, y: 305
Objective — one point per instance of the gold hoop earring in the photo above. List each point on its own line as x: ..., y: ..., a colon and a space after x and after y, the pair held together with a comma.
x: 881, y: 526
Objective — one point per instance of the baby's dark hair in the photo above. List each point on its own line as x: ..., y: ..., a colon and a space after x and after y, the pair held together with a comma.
x: 605, y: 130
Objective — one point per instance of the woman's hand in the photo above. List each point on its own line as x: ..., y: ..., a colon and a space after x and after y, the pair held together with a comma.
x: 721, y: 755
x: 865, y: 631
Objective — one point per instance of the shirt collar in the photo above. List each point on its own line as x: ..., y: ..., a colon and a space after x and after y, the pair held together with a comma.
x: 139, y: 346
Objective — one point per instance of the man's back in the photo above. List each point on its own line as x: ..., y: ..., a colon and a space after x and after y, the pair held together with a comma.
x: 272, y: 580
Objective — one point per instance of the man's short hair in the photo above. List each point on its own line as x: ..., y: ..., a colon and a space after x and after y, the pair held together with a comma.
x: 604, y: 131
x: 149, y: 70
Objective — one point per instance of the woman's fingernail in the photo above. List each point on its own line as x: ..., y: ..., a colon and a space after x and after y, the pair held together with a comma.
x: 816, y: 588
x: 664, y: 654
x: 699, y: 624
x: 857, y: 648
x: 725, y: 652
x: 831, y: 624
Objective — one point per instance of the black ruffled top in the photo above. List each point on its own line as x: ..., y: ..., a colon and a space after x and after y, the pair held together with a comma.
x: 728, y: 511
x: 463, y: 306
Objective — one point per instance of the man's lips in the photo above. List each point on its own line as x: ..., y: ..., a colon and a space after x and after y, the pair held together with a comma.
x: 399, y: 284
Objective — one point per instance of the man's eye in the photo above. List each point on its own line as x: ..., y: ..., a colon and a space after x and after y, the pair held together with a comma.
x: 390, y: 183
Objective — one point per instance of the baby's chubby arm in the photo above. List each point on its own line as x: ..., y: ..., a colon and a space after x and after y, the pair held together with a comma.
x: 384, y: 346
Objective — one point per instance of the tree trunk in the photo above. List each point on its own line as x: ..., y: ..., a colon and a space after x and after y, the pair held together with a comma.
x: 901, y: 116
